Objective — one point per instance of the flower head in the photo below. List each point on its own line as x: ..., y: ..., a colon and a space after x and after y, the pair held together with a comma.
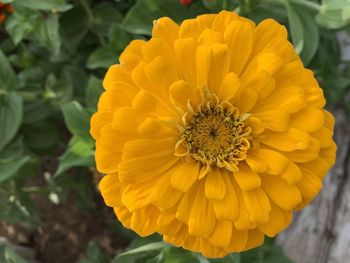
x: 211, y: 133
x: 4, y: 9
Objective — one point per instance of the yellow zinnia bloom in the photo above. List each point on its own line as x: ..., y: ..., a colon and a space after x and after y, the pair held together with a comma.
x: 211, y: 133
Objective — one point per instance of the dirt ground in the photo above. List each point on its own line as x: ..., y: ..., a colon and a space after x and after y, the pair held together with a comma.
x: 65, y: 231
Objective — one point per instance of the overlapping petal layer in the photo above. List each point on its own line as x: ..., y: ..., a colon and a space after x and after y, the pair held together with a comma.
x: 250, y: 75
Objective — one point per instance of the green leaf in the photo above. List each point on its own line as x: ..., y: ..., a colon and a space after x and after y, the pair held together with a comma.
x: 7, y: 74
x: 11, y: 113
x: 77, y: 120
x: 304, y: 31
x: 7, y: 255
x: 296, y: 27
x: 78, y: 154
x: 143, y: 249
x: 139, y: 19
x: 21, y: 23
x: 105, y: 15
x: 12, y: 150
x: 52, y: 5
x: 232, y: 258
x: 94, y: 254
x: 47, y: 34
x: 102, y: 57
x: 9, y: 168
x: 334, y: 14
x: 40, y: 135
x: 93, y: 92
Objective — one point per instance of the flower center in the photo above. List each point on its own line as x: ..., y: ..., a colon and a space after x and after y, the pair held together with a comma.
x: 217, y: 135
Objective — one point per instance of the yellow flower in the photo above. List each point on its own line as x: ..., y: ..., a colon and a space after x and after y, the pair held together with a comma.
x: 211, y: 133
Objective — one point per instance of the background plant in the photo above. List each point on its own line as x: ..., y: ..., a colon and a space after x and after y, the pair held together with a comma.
x: 54, y: 54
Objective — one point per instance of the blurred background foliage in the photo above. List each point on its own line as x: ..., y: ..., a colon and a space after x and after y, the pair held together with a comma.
x: 53, y: 56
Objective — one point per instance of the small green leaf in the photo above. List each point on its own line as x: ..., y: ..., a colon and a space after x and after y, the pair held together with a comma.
x: 77, y: 120
x: 7, y: 255
x: 139, y: 19
x: 7, y: 74
x: 93, y: 92
x: 94, y: 254
x: 334, y: 14
x: 78, y: 154
x: 52, y: 5
x: 9, y: 168
x: 11, y: 113
x: 296, y: 27
x: 143, y: 249
x: 47, y: 34
x: 102, y: 57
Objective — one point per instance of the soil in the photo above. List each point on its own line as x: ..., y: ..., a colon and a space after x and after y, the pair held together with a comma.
x: 65, y: 231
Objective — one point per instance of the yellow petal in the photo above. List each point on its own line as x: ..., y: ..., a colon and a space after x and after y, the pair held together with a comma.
x: 144, y: 221
x: 310, y: 184
x: 309, y: 119
x: 329, y: 120
x: 223, y: 19
x: 276, y: 120
x: 215, y: 186
x: 210, y: 37
x: 290, y: 140
x: 220, y: 62
x: 255, y: 239
x: 123, y: 215
x: 191, y: 28
x: 267, y: 61
x: 203, y: 61
x: 239, y: 39
x: 256, y: 164
x: 265, y: 32
x: 238, y: 241
x: 279, y: 220
x: 258, y: 205
x: 227, y: 208
x: 127, y: 120
x: 121, y: 94
x: 144, y: 168
x: 185, y: 175
x: 145, y: 147
x: 136, y: 196
x: 328, y: 154
x: 107, y: 160
x: 185, y: 51
x: 319, y: 167
x: 160, y: 74
x: 324, y: 136
x: 246, y: 178
x: 290, y: 99
x: 275, y: 161
x: 303, y: 156
x: 261, y: 82
x: 255, y: 124
x: 281, y: 193
x: 166, y: 29
x: 221, y: 236
x: 185, y: 206
x: 132, y: 55
x: 180, y: 93
x: 292, y: 173
x: 229, y: 87
x: 163, y: 196
x: 98, y: 121
x: 110, y: 188
x: 201, y: 209
x: 246, y: 100
x: 116, y: 73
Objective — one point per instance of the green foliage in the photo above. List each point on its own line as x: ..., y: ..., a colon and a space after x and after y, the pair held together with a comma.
x: 53, y: 57
x: 7, y: 255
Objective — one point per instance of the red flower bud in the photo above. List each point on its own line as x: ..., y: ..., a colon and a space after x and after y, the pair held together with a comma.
x: 185, y: 2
